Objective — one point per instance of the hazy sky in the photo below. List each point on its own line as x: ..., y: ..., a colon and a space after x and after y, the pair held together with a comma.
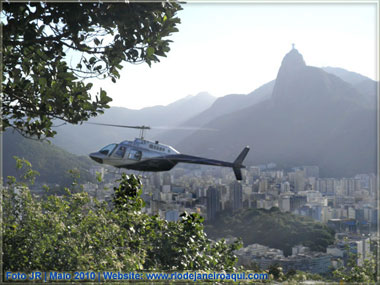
x: 235, y: 48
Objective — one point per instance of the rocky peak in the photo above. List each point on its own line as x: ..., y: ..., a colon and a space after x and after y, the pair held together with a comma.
x: 292, y: 61
x: 289, y: 75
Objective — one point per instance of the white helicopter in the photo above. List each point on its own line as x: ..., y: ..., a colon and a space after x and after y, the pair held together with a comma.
x: 145, y: 155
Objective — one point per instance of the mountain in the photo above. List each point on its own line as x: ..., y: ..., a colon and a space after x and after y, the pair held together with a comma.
x: 231, y: 103
x: 348, y: 76
x: 177, y: 111
x: 311, y: 118
x: 362, y: 84
x: 52, y: 162
x: 222, y: 106
x: 86, y: 138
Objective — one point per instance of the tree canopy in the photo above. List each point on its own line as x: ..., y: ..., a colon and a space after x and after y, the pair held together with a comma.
x: 50, y: 48
x: 77, y: 232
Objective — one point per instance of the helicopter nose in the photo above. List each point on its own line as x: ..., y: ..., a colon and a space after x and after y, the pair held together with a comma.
x: 95, y: 156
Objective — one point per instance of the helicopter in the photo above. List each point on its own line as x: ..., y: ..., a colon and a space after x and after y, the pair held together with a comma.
x: 146, y: 155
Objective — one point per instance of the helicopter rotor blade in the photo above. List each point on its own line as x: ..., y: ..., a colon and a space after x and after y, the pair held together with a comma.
x: 121, y: 126
x: 183, y: 128
x: 155, y: 127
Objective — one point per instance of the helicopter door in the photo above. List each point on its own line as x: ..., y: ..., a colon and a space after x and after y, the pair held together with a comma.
x: 120, y: 152
x: 134, y: 154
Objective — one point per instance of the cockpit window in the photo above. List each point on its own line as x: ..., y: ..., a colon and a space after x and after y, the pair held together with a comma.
x: 108, y: 149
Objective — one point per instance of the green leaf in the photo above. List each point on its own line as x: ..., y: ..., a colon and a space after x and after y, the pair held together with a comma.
x: 42, y: 81
x: 149, y: 51
x: 92, y: 60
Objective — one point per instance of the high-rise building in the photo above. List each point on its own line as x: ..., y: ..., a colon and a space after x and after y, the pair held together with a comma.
x: 330, y: 186
x: 297, y: 201
x: 236, y: 195
x: 255, y: 171
x: 372, y: 187
x: 351, y: 185
x: 284, y: 202
x: 224, y: 194
x: 311, y: 171
x: 321, y: 186
x: 166, y: 188
x: 297, y: 178
x: 263, y: 185
x: 285, y: 187
x: 213, y: 202
x: 157, y: 180
x: 166, y: 179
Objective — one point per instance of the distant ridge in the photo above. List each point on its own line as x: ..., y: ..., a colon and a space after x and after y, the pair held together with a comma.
x: 83, y: 139
x: 222, y: 106
x: 362, y: 84
x: 348, y: 76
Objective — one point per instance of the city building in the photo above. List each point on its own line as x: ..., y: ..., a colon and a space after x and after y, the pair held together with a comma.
x: 311, y: 171
x: 213, y: 202
x: 236, y: 194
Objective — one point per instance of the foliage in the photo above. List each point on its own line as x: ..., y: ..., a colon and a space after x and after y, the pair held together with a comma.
x: 26, y: 173
x: 353, y: 273
x: 272, y: 228
x: 276, y: 271
x: 127, y: 194
x: 49, y: 48
x: 184, y: 245
x: 77, y: 232
x: 292, y: 276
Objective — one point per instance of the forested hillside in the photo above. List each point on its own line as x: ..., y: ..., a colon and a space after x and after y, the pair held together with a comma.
x: 52, y: 162
x: 271, y: 228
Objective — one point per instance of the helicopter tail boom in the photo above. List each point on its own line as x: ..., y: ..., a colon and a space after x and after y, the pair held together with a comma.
x: 238, y: 163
